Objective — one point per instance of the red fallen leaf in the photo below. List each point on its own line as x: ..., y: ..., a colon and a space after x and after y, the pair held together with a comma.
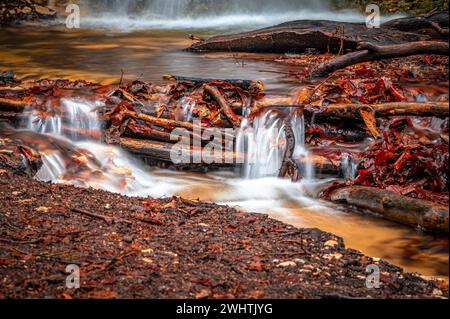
x: 66, y: 295
x: 215, y: 248
x: 255, y: 265
x: 56, y: 91
x: 103, y: 294
x: 6, y: 262
x: 363, y: 71
x: 426, y: 59
x: 204, y: 282
x: 151, y: 205
x: 395, y: 91
x: 383, y: 157
x: 229, y: 230
x: 257, y: 294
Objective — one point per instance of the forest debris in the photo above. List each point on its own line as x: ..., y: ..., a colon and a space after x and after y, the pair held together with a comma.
x: 225, y: 107
x: 18, y: 157
x: 252, y: 86
x: 90, y: 214
x: 101, y: 259
x: 404, y: 162
x: 368, y: 52
x: 352, y: 111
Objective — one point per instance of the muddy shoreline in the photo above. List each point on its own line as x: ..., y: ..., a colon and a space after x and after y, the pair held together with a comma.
x: 173, y: 248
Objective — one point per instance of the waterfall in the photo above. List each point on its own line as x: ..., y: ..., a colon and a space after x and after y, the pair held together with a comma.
x: 205, y: 14
x: 74, y: 153
x: 196, y: 8
x: 76, y: 113
x: 263, y: 142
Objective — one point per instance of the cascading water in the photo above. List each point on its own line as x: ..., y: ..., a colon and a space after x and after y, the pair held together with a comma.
x: 202, y: 14
x: 103, y: 166
x: 261, y: 141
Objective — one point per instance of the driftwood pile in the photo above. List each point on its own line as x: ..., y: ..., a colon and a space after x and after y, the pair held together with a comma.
x: 146, y: 115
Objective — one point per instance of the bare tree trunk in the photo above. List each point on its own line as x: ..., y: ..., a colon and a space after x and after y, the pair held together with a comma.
x: 352, y: 111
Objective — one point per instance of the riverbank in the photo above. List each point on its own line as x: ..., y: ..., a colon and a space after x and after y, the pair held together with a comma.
x: 173, y: 248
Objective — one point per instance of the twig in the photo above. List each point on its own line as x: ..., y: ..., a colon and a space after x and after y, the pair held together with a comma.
x: 85, y: 212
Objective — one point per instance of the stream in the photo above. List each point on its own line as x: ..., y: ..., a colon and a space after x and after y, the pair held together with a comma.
x: 100, y: 55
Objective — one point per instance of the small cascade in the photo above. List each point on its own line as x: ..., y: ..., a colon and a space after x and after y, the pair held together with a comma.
x: 75, y: 143
x: 348, y: 166
x: 75, y: 120
x: 263, y: 143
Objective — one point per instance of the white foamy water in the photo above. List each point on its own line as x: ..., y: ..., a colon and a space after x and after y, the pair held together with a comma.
x: 264, y: 141
x: 226, y: 14
x: 110, y: 168
x: 225, y: 22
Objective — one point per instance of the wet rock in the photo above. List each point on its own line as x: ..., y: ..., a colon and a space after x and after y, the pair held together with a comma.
x: 287, y: 264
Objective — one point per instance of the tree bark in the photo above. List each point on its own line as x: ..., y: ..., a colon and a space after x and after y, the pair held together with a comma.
x: 248, y: 85
x: 162, y: 151
x: 371, y: 52
x: 302, y: 35
x: 399, y: 208
x: 288, y: 166
x: 161, y: 122
x: 352, y: 111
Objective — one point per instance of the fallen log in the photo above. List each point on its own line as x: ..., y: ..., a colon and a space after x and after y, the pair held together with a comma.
x: 162, y: 122
x: 302, y: 35
x: 352, y: 111
x: 248, y: 85
x: 163, y: 151
x: 150, y: 134
x: 399, y: 208
x: 372, y: 52
x: 420, y: 23
x: 224, y: 106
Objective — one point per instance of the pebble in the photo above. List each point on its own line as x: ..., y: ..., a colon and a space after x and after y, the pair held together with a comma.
x: 42, y: 209
x: 147, y: 251
x: 333, y: 256
x: 26, y: 10
x: 331, y: 243
x: 287, y: 264
x: 128, y: 239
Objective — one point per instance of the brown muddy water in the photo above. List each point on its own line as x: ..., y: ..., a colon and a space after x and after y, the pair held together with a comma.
x: 36, y: 51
